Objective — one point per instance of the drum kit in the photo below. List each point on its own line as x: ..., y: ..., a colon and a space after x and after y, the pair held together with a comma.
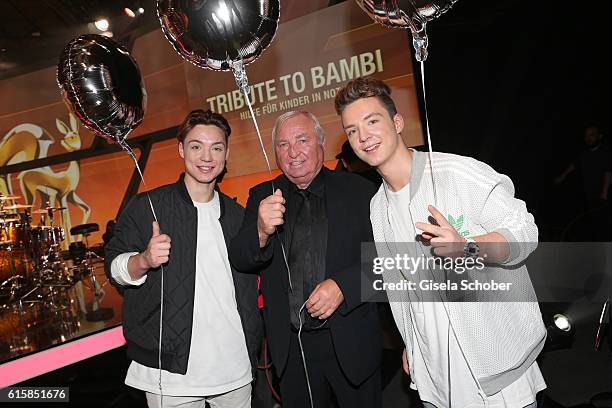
x: 38, y: 277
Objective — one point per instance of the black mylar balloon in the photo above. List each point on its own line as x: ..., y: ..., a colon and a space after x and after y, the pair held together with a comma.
x: 102, y: 84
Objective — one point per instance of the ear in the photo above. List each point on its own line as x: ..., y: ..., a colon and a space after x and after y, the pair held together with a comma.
x: 180, y: 149
x: 227, y: 149
x: 74, y: 125
x: 62, y: 127
x: 398, y: 121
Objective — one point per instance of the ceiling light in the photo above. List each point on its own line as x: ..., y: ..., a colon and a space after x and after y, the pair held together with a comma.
x: 102, y: 24
x: 128, y: 11
x: 140, y: 10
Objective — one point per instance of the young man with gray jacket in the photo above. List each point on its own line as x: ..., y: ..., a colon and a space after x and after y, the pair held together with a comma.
x: 476, y: 349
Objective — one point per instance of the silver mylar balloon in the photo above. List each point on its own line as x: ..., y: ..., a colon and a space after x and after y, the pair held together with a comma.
x: 221, y: 35
x: 413, y: 14
x: 218, y: 34
x: 102, y: 84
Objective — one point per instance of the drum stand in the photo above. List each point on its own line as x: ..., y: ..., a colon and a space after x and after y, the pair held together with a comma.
x: 51, y: 272
x: 21, y: 342
x: 94, y: 313
x: 51, y: 280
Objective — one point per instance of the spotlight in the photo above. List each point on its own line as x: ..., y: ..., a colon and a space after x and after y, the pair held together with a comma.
x: 223, y: 12
x: 102, y: 24
x: 560, y: 333
x: 140, y: 10
x: 128, y: 11
x: 562, y: 322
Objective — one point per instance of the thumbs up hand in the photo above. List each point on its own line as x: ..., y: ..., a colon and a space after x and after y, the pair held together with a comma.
x: 158, y: 249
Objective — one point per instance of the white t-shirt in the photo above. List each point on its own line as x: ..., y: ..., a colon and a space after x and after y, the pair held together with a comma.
x: 218, y: 357
x: 438, y: 369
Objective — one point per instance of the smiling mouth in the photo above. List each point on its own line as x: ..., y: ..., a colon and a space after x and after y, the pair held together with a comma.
x: 205, y: 169
x: 372, y: 148
x: 296, y: 163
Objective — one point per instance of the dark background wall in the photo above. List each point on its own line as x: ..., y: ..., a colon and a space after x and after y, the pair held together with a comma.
x: 514, y: 83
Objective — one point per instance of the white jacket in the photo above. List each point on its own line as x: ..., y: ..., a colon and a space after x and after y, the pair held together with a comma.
x: 499, y: 339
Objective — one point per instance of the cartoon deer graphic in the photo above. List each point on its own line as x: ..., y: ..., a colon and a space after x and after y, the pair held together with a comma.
x: 60, y: 185
x: 24, y: 142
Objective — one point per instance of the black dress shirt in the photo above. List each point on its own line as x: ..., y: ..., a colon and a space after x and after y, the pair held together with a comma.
x: 307, y: 221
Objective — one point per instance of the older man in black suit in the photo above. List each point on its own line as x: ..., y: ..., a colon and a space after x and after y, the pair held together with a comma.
x: 305, y: 240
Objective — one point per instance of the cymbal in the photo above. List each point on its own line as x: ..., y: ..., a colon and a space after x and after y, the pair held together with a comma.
x: 17, y: 207
x: 6, y: 197
x: 47, y: 209
x: 8, y: 218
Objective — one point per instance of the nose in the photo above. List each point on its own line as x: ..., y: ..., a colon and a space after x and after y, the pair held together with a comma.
x: 292, y: 151
x: 363, y: 134
x: 206, y: 155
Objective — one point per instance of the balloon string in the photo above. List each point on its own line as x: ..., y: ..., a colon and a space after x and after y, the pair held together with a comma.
x: 263, y: 149
x: 302, y: 350
x: 131, y: 153
x: 240, y: 76
x: 242, y: 81
x: 431, y: 161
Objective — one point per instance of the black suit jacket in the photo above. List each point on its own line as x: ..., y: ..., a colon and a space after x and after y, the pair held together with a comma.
x: 354, y: 327
x: 179, y: 219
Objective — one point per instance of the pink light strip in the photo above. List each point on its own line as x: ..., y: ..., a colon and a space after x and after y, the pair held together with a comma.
x: 60, y: 356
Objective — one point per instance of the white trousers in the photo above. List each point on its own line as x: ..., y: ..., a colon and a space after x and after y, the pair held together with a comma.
x: 239, y: 398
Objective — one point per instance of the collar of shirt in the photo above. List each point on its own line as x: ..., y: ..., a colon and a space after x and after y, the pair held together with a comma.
x: 316, y: 187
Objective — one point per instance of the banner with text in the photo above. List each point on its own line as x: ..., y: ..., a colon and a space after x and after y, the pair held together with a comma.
x: 310, y: 58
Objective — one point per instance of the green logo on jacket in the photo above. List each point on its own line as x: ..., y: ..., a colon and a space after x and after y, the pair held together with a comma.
x: 458, y: 224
